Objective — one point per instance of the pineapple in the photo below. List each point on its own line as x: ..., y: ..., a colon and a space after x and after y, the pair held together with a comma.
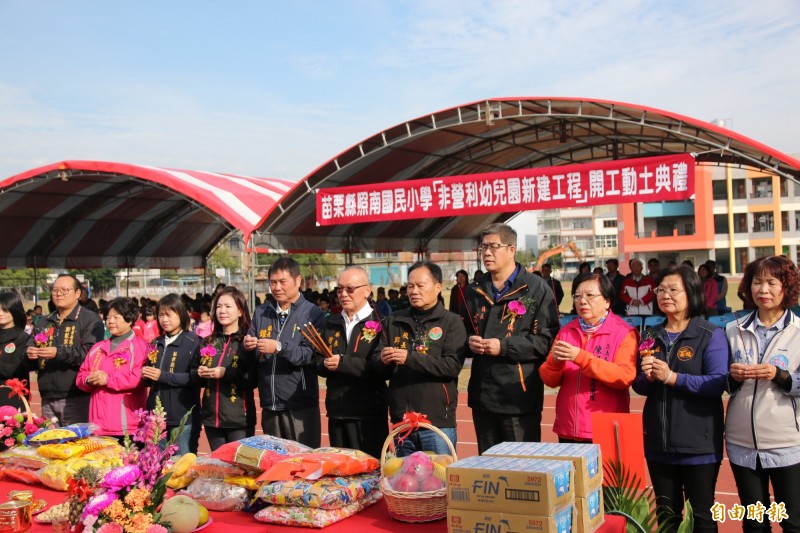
x: 91, y: 477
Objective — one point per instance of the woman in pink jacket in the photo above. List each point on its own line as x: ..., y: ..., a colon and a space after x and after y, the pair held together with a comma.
x: 112, y: 373
x: 593, y: 361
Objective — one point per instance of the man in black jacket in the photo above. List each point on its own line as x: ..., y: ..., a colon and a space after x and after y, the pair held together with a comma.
x: 356, y: 395
x: 73, y: 330
x: 512, y: 319
x: 423, y: 360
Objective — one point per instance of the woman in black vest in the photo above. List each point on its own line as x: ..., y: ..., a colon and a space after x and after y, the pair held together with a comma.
x: 683, y: 372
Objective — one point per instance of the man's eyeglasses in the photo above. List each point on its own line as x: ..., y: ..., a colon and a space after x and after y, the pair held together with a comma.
x: 587, y: 297
x: 672, y: 292
x: 350, y: 290
x: 61, y: 291
x: 493, y: 246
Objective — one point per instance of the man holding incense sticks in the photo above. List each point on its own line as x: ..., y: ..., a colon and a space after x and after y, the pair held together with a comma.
x: 287, y: 378
x: 511, y: 317
x: 356, y: 394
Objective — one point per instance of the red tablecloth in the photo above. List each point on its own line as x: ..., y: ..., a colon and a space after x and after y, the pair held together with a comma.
x: 373, y: 519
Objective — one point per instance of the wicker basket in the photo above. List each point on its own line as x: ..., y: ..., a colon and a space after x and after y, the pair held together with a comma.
x: 414, y: 507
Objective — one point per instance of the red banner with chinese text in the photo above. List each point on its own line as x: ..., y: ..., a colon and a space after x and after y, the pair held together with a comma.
x: 647, y: 179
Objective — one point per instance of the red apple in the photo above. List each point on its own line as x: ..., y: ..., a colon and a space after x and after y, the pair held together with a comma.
x: 431, y: 483
x: 405, y: 483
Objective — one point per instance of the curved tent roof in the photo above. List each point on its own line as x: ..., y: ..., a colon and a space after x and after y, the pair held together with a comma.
x: 91, y: 214
x: 496, y: 135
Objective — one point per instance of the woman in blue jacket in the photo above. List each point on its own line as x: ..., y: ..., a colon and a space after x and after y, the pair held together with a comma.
x: 168, y: 370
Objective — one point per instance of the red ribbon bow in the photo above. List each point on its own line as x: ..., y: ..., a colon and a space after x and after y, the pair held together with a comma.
x: 412, y: 420
x: 18, y: 387
x: 79, y: 488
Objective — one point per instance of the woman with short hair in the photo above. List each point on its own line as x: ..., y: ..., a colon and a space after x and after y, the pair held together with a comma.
x: 762, y: 427
x: 592, y: 361
x: 112, y: 373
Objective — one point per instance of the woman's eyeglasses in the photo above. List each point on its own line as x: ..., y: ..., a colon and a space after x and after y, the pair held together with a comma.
x: 671, y: 291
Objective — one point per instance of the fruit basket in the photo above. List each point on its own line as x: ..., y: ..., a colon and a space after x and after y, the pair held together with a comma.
x: 414, y: 507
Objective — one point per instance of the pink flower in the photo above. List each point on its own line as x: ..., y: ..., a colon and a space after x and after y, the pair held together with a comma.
x: 121, y: 477
x: 110, y: 527
x: 41, y: 338
x: 7, y: 410
x: 517, y: 307
x: 9, y: 442
x: 12, y: 422
x: 208, y: 351
x: 374, y: 325
x: 6, y: 432
x: 157, y: 528
x: 97, y: 504
x: 31, y: 428
x: 647, y: 344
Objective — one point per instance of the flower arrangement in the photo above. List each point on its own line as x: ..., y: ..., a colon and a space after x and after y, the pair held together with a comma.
x: 44, y: 339
x: 371, y: 330
x: 14, y: 425
x: 128, y: 496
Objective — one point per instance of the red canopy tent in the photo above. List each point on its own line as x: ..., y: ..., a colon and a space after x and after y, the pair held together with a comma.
x: 95, y: 214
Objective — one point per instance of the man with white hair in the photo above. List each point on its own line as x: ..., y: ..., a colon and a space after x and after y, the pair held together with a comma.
x: 355, y: 401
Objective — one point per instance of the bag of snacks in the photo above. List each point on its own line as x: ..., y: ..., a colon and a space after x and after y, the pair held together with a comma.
x: 208, y: 467
x: 321, y: 462
x: 312, y: 517
x: 23, y: 456
x: 216, y: 495
x: 75, y: 448
x: 258, y: 452
x: 60, y: 435
x: 325, y: 493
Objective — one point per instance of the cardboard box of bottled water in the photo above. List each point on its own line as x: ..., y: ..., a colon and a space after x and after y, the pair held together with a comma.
x: 510, y: 485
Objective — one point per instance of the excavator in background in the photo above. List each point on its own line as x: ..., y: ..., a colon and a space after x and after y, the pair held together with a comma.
x: 547, y: 254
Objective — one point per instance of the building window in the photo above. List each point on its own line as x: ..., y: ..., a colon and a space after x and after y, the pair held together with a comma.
x: 610, y: 224
x: 763, y: 222
x: 576, y: 223
x: 762, y: 188
x: 763, y: 251
x: 740, y: 222
x: 720, y: 224
x: 606, y: 241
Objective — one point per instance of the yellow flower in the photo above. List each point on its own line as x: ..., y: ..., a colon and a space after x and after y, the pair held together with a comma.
x: 139, y: 523
x: 137, y: 499
x: 116, y: 511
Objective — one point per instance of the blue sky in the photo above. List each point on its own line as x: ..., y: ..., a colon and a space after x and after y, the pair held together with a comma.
x: 275, y: 89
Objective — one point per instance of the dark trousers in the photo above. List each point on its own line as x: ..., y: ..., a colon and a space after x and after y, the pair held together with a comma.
x: 753, y: 487
x: 673, y: 483
x: 301, y: 425
x: 494, y: 428
x: 365, y: 435
x: 219, y: 436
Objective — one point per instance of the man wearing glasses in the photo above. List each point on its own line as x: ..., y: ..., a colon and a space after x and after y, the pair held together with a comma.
x: 287, y: 379
x: 355, y: 402
x: 71, y: 330
x: 511, y: 318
